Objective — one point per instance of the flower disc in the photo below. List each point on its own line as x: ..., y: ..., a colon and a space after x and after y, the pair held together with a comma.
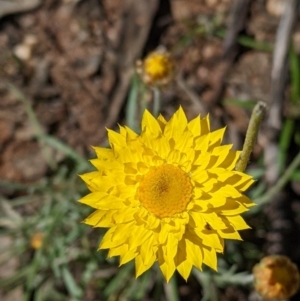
x: 165, y: 190
x: 157, y: 69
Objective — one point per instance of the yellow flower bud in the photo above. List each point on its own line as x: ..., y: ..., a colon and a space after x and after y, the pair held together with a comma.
x: 157, y: 69
x: 276, y: 277
x: 36, y: 240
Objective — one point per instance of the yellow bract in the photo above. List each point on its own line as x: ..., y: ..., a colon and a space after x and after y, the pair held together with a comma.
x: 169, y: 195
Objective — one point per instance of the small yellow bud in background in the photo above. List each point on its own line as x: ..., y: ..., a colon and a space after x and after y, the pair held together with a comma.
x: 276, y: 277
x: 36, y: 240
x: 157, y: 69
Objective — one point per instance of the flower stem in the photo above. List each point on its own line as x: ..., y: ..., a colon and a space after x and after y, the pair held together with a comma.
x: 131, y: 108
x: 171, y: 290
x: 258, y: 113
x: 156, y: 101
x: 267, y: 197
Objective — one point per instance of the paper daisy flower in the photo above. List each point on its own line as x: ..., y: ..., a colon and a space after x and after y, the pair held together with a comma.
x: 36, y: 240
x: 276, y: 277
x: 169, y: 195
x: 157, y: 69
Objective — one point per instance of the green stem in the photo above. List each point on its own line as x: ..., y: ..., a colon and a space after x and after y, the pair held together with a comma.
x: 251, y: 136
x: 131, y: 108
x: 156, y: 101
x: 210, y: 292
x: 280, y: 183
x: 171, y: 290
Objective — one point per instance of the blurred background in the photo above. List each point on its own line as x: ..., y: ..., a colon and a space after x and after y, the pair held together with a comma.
x: 67, y: 71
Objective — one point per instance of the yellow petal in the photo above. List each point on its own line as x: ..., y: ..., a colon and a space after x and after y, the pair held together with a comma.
x: 200, y: 175
x: 128, y: 255
x: 141, y: 267
x: 214, y: 221
x: 97, y: 182
x: 106, y: 219
x: 161, y: 146
x: 150, y: 124
x: 131, y: 135
x: 202, y: 159
x: 231, y: 159
x: 244, y: 200
x: 107, y: 241
x: 138, y: 236
x: 152, y: 222
x: 163, y: 234
x: 215, y: 139
x: 229, y: 191
x: 101, y: 164
x: 116, y: 138
x: 185, y: 269
x: 100, y: 218
x: 198, y: 219
x: 244, y: 183
x: 104, y: 153
x: 232, y: 208
x: 125, y: 215
x: 117, y: 251
x: 167, y: 265
x: 237, y: 222
x: 210, y: 239
x: 176, y: 125
x: 161, y: 121
x: 219, y: 150
x: 122, y: 191
x: 194, y: 126
x: 122, y: 231
x: 123, y: 154
x: 194, y: 254
x: 123, y: 131
x: 229, y: 233
x: 102, y: 200
x: 210, y: 258
x: 205, y: 125
x: 221, y: 153
x: 217, y: 201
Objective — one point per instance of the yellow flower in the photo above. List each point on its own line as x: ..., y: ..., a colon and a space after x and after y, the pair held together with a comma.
x: 169, y: 195
x: 36, y: 240
x: 276, y: 277
x: 157, y: 69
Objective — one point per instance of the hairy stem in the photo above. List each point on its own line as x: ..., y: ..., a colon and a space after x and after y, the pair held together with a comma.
x: 251, y: 136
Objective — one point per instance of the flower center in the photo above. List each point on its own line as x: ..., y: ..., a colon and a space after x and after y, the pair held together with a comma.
x: 158, y: 66
x: 165, y: 190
